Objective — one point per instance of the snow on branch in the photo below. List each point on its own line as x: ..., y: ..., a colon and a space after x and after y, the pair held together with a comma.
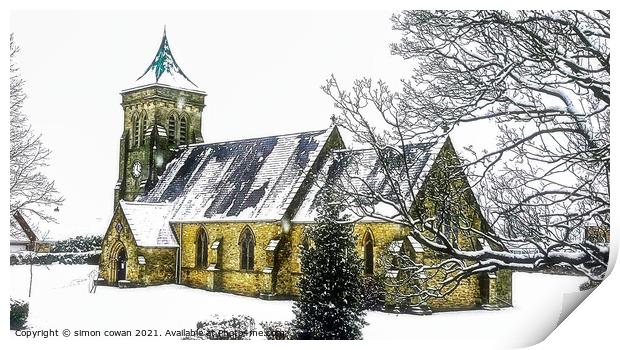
x: 542, y: 79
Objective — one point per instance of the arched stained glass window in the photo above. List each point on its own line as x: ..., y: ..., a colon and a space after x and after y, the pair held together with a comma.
x: 369, y: 254
x: 202, y: 249
x: 246, y: 243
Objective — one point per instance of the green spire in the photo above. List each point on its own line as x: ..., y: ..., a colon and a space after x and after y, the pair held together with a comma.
x: 165, y: 62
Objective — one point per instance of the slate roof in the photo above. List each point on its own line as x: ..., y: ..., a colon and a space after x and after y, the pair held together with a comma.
x: 244, y: 180
x: 361, y: 171
x: 149, y: 223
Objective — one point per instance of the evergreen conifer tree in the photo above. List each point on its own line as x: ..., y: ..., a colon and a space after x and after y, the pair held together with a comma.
x: 330, y: 302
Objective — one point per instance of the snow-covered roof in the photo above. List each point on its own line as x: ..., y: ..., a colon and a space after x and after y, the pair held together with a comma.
x: 417, y: 247
x: 484, y: 244
x: 165, y: 69
x: 395, y: 246
x: 20, y: 230
x: 391, y: 273
x: 521, y: 247
x: 252, y: 179
x: 361, y: 171
x: 161, y: 131
x: 216, y: 244
x: 17, y: 234
x: 273, y: 245
x: 149, y: 223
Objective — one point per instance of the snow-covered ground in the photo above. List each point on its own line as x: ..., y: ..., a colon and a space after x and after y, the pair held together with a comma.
x: 60, y: 300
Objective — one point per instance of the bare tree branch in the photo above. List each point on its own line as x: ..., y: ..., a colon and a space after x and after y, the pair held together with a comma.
x: 32, y: 192
x: 542, y: 78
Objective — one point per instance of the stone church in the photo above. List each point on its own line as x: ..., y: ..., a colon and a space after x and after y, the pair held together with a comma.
x: 232, y: 216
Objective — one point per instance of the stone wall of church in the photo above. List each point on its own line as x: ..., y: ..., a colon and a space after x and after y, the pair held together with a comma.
x: 465, y: 296
x: 226, y: 273
x: 469, y: 292
x: 504, y: 287
x: 159, y: 267
x: 294, y: 262
x: 160, y: 263
x: 283, y: 280
x: 383, y: 234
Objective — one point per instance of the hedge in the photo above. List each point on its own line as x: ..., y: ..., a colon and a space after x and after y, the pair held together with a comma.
x: 26, y: 258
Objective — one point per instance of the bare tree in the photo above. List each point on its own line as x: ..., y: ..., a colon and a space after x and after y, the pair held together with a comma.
x: 32, y: 192
x: 542, y: 78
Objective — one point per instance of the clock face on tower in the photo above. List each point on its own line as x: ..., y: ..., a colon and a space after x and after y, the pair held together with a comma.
x: 136, y: 169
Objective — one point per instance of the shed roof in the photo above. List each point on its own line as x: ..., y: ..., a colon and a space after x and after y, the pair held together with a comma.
x: 20, y: 230
x: 17, y: 233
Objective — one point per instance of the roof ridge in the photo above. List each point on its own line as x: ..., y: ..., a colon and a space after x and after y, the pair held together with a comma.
x: 146, y: 203
x: 256, y: 138
x: 344, y: 150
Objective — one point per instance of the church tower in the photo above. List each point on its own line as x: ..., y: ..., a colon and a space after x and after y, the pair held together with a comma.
x: 162, y: 114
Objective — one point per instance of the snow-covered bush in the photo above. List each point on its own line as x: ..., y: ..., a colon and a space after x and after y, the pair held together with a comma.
x: 14, y: 260
x: 78, y: 244
x: 21, y: 258
x: 19, y: 314
x: 277, y: 330
x: 373, y: 293
x: 237, y: 327
x: 26, y: 258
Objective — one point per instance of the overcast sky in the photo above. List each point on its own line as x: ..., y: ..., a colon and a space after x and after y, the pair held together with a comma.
x: 262, y: 72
